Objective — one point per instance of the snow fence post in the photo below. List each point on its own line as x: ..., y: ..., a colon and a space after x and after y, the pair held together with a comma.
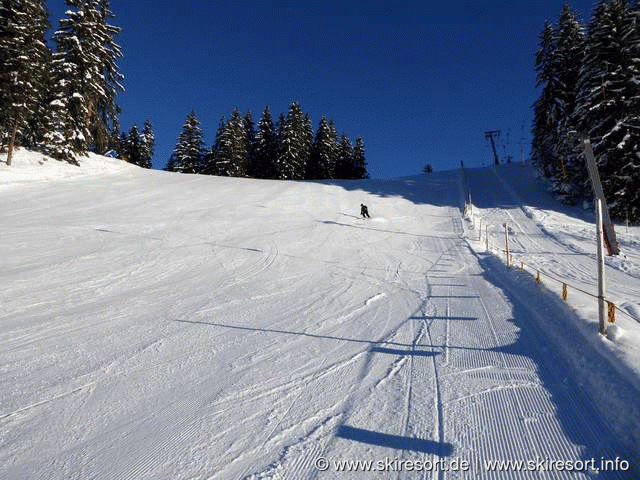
x: 600, y: 254
x: 486, y: 237
x: 506, y: 241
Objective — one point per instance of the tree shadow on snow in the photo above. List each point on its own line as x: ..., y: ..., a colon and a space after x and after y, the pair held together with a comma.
x: 441, y: 189
x: 294, y: 333
x: 412, y: 352
x: 395, y: 442
x: 596, y: 405
x: 451, y: 189
x: 431, y: 318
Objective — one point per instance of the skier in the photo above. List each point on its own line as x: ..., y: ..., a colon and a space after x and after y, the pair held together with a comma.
x: 364, y: 211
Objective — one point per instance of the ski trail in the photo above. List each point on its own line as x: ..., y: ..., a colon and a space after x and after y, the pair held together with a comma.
x: 504, y: 395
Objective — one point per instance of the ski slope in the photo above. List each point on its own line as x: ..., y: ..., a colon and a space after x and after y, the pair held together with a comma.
x: 157, y: 325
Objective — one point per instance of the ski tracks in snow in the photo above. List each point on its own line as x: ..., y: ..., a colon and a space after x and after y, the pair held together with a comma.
x: 464, y: 378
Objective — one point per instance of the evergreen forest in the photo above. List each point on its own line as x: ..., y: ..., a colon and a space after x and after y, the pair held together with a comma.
x: 61, y: 100
x: 589, y: 79
x: 287, y: 149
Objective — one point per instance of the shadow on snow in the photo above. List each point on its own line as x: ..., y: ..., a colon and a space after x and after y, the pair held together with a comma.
x: 395, y: 442
x: 445, y: 189
x: 596, y: 405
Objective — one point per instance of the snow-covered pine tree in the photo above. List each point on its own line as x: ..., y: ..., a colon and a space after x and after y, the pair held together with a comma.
x: 333, y: 132
x: 627, y: 198
x: 132, y: 147
x: 307, y: 141
x: 147, y: 145
x: 292, y: 155
x: 321, y: 160
x: 567, y: 58
x: 544, y: 126
x: 187, y: 154
x: 265, y: 147
x: 609, y: 101
x: 33, y: 133
x: 210, y: 158
x: 171, y: 164
x: 114, y: 139
x: 88, y: 56
x: 344, y: 163
x: 250, y: 139
x: 122, y: 145
x: 233, y: 155
x: 279, y: 129
x: 64, y: 138
x: 24, y: 55
x: 359, y: 167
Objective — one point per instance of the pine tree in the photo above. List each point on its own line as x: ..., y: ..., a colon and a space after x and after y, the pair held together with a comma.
x: 132, y: 147
x: 609, y: 101
x: 147, y: 145
x: 64, y: 138
x: 307, y: 142
x: 86, y: 59
x: 187, y: 154
x: 627, y: 198
x: 279, y: 129
x: 567, y: 58
x: 333, y: 161
x: 544, y: 128
x: 210, y: 158
x: 344, y: 163
x: 291, y: 161
x: 114, y: 139
x: 321, y: 161
x: 171, y: 164
x: 122, y: 145
x: 265, y: 147
x: 33, y: 134
x: 233, y: 155
x: 558, y: 65
x: 250, y: 140
x: 359, y: 166
x: 24, y: 56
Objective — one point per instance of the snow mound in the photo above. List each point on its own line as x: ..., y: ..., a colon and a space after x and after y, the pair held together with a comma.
x: 27, y: 167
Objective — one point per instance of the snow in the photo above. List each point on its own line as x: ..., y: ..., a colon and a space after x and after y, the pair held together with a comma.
x: 29, y: 169
x: 161, y: 325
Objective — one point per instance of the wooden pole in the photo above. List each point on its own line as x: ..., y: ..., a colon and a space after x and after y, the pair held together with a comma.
x: 600, y: 255
x: 506, y: 240
x: 608, y: 232
x: 486, y: 237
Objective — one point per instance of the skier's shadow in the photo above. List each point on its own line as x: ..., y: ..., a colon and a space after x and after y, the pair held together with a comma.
x: 349, y: 215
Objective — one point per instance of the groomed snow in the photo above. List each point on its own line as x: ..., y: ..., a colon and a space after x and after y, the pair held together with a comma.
x: 158, y: 325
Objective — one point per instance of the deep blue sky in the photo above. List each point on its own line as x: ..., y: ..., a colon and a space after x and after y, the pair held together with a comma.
x: 420, y: 83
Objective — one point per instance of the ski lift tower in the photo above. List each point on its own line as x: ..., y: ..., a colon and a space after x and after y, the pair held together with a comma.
x: 491, y: 135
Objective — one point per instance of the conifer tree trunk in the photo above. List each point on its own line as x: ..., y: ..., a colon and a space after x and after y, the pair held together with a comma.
x: 12, y: 141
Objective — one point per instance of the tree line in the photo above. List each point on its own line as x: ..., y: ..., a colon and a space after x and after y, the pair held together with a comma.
x: 62, y: 100
x: 287, y: 149
x: 590, y: 88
